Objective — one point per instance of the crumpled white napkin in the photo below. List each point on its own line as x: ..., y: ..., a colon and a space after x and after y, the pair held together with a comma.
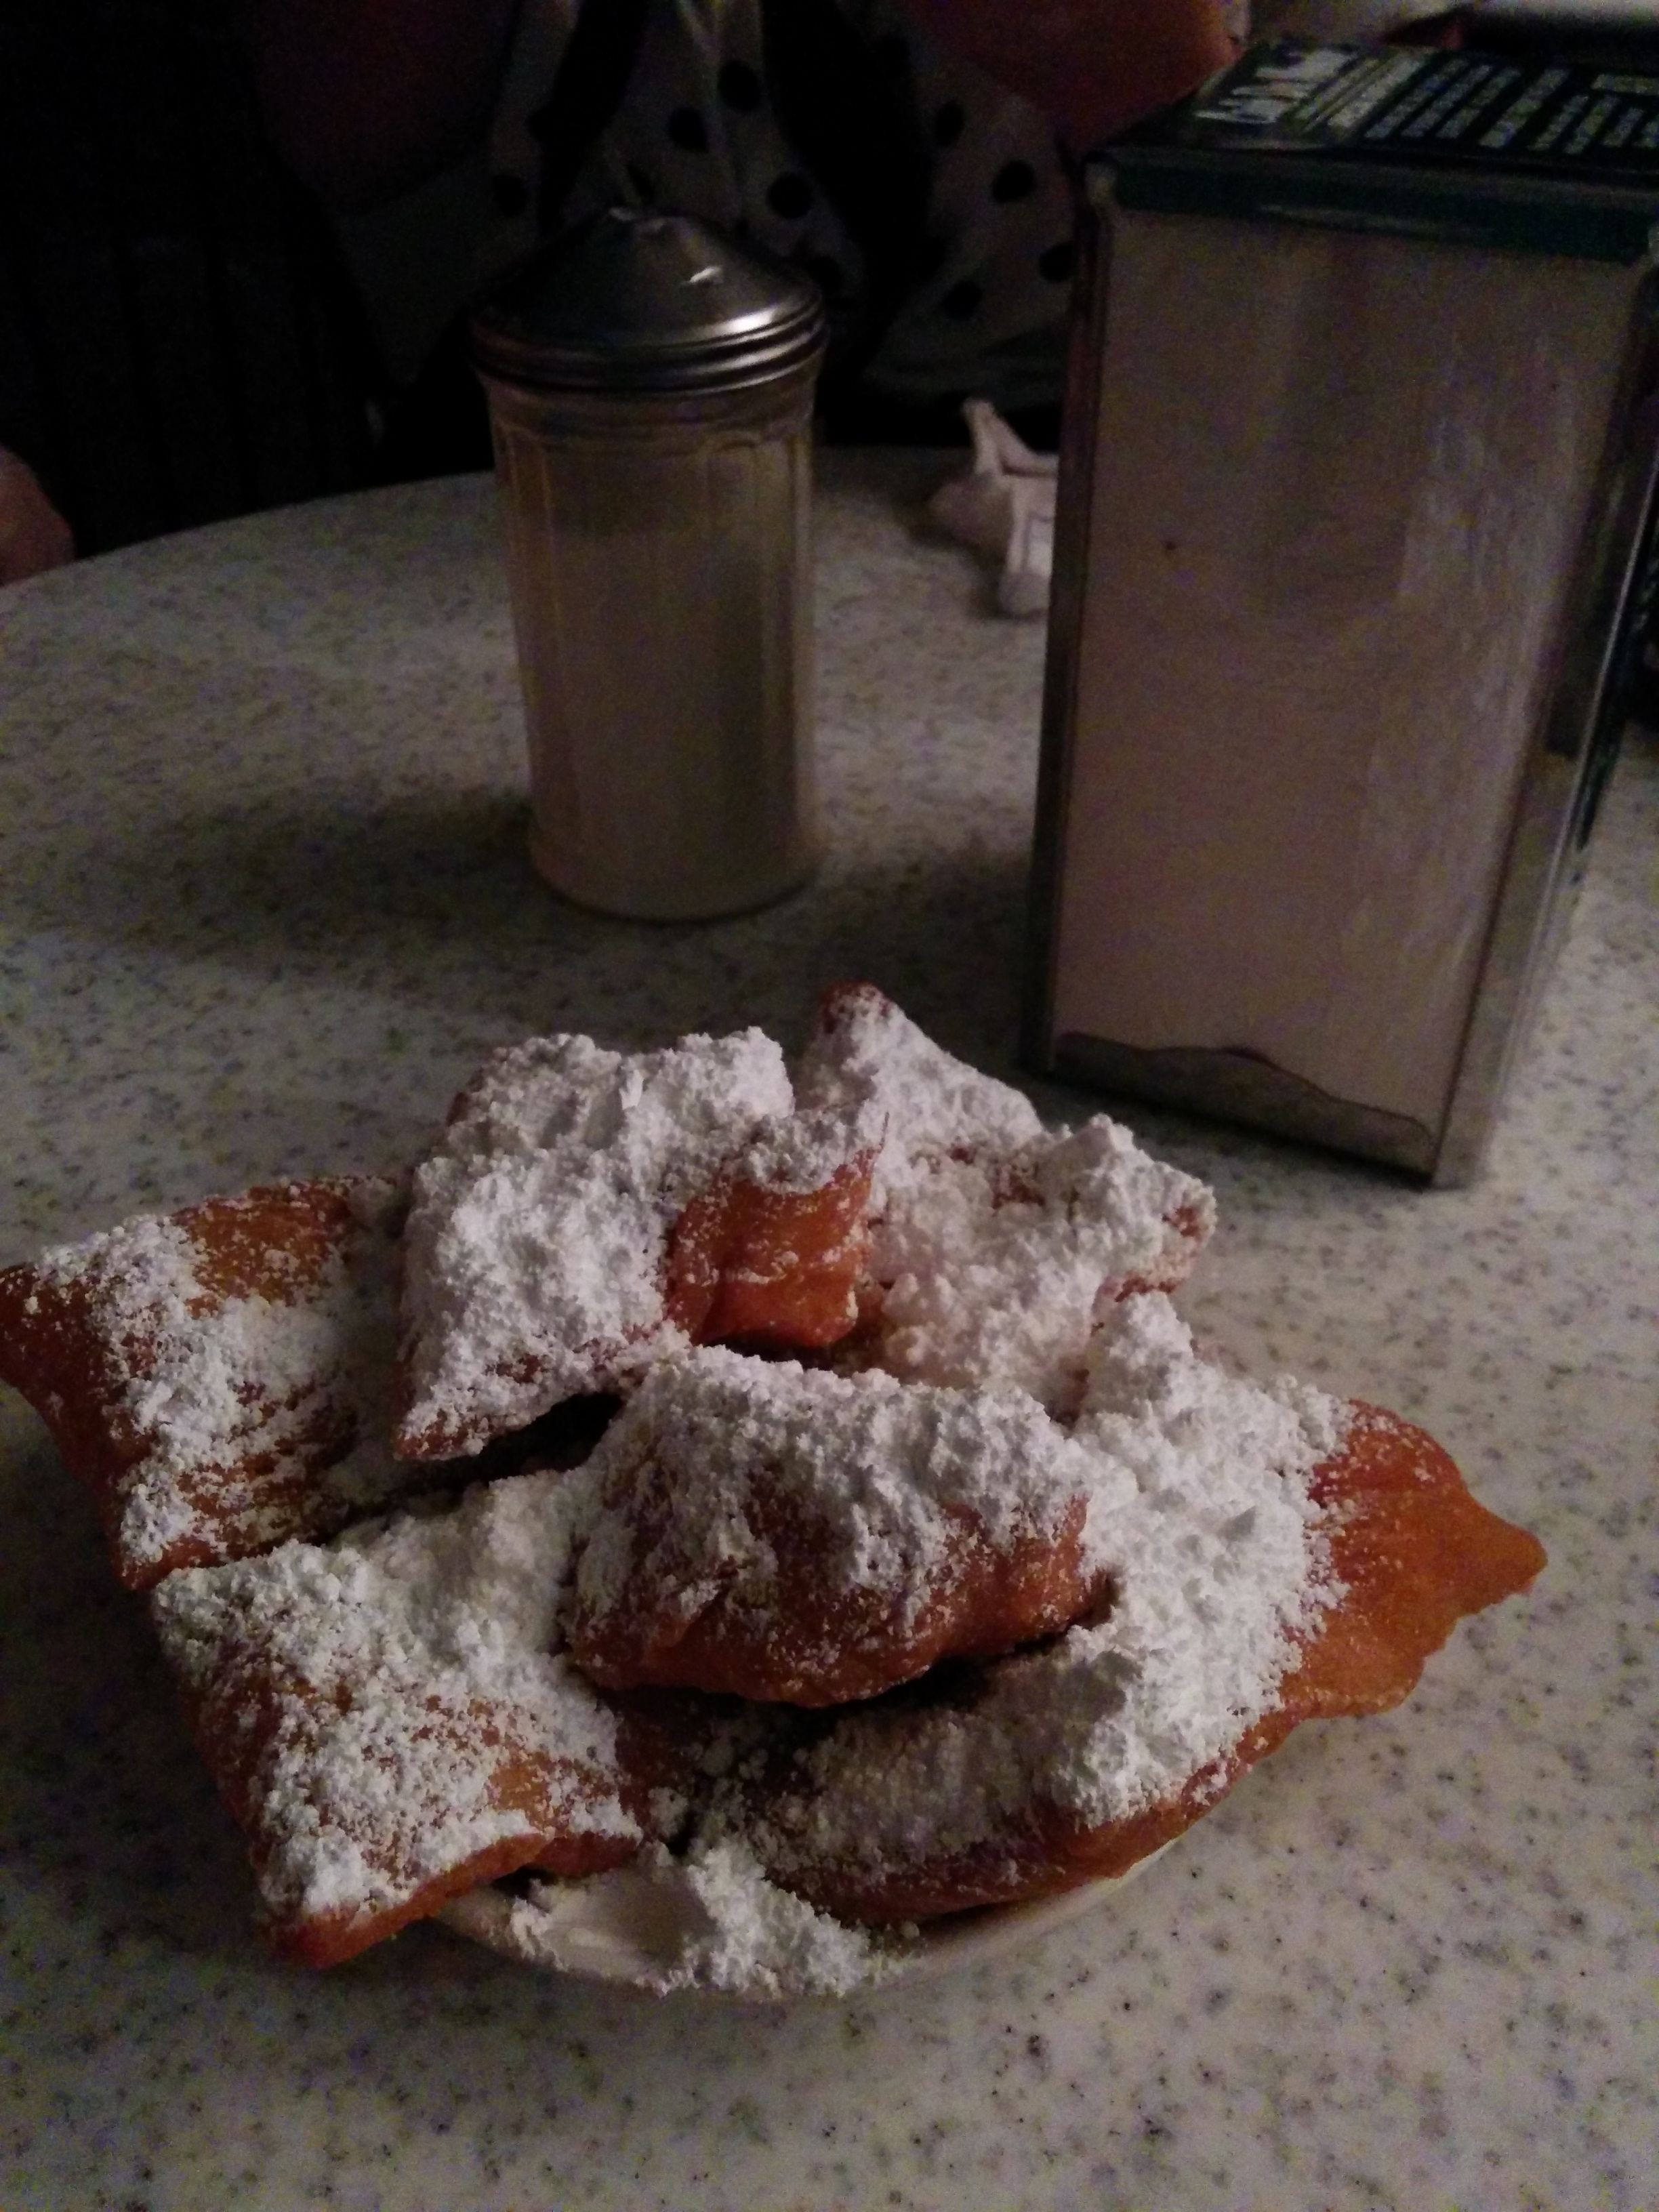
x: 1005, y: 505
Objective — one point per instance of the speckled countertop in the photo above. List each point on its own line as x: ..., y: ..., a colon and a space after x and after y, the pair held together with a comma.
x: 263, y: 904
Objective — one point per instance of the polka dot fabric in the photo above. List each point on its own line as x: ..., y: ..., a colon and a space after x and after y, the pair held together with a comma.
x: 695, y: 133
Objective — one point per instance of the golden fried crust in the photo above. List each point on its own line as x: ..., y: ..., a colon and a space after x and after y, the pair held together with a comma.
x: 1413, y: 1551
x: 819, y: 1646
x: 789, y: 1535
x: 85, y: 1341
x: 771, y: 1267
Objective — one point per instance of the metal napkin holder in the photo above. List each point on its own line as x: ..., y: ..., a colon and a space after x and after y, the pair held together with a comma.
x: 1313, y: 809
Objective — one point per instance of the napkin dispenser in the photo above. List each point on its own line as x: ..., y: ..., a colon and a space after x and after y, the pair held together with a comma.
x: 1352, y: 569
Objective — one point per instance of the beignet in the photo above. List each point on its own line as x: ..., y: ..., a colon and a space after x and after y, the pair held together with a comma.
x: 389, y: 1725
x: 587, y: 1212
x: 812, y: 1538
x: 220, y: 1378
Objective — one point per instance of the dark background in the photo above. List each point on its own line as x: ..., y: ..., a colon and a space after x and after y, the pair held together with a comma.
x: 179, y: 339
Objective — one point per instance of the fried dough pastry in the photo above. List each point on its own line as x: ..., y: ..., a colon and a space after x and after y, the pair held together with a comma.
x: 996, y: 1244
x: 994, y: 1591
x: 387, y: 1723
x: 1037, y: 1773
x: 754, y: 1258
x: 784, y: 1535
x: 218, y: 1378
x: 587, y: 1212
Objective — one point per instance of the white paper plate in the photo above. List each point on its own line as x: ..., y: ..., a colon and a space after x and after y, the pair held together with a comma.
x: 632, y: 1929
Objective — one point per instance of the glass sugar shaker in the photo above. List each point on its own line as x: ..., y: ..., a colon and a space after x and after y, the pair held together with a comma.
x: 650, y: 386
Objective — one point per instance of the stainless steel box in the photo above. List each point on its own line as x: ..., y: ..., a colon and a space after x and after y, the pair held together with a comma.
x: 1351, y: 564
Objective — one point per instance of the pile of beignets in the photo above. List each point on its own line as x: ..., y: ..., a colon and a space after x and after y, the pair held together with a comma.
x: 699, y: 1453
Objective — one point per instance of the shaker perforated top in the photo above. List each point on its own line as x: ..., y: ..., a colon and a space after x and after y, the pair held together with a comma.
x: 645, y: 302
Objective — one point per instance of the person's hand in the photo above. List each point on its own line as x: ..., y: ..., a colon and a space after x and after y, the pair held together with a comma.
x: 1092, y: 66
x: 34, y: 536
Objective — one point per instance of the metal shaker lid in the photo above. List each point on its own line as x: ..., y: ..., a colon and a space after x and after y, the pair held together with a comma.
x: 636, y: 301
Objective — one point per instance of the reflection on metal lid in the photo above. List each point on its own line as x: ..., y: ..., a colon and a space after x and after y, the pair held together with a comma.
x: 645, y: 302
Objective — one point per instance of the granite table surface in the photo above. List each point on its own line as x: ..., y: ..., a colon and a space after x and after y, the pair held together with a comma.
x: 264, y: 903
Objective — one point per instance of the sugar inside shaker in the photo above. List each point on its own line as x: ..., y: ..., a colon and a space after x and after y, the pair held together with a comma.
x: 650, y: 386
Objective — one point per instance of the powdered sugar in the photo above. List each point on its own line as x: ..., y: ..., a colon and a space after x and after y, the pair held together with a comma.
x: 1197, y: 1496
x: 708, y: 1920
x: 801, y: 1150
x: 758, y: 1940
x: 867, y: 1058
x: 408, y: 1666
x: 248, y: 1417
x: 997, y: 1267
x: 541, y: 1224
x: 1202, y: 1507
x: 539, y: 1231
x: 996, y: 1241
x: 385, y: 1710
x: 811, y: 1515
